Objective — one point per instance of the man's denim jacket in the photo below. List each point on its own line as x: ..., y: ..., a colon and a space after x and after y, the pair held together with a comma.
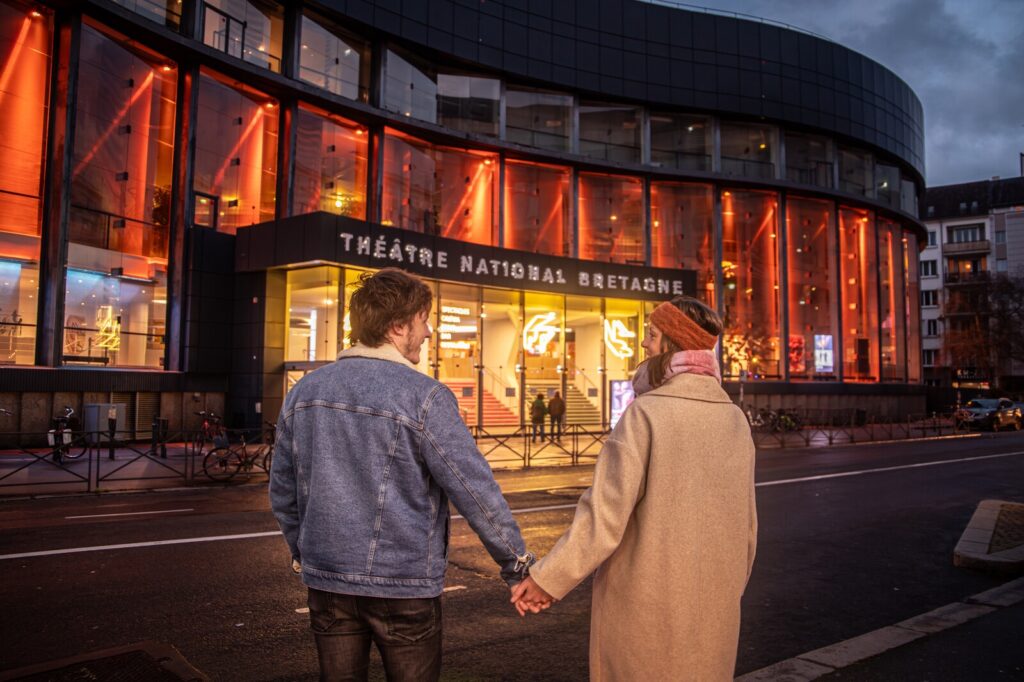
x: 369, y: 450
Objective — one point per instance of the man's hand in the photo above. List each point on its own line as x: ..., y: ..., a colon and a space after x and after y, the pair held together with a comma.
x: 528, y: 596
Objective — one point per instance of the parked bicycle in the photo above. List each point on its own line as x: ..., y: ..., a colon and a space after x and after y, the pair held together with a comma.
x: 223, y: 463
x: 62, y: 438
x: 211, y: 431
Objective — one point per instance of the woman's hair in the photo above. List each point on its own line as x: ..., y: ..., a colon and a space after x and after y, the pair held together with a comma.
x: 697, y: 311
x: 384, y: 299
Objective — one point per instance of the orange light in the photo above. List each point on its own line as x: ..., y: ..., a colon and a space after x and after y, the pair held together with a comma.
x: 36, y: 14
x: 359, y: 131
x: 269, y: 105
x: 487, y: 162
x: 167, y: 67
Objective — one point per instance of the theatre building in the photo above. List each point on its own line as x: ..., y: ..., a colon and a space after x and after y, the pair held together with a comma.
x: 189, y: 189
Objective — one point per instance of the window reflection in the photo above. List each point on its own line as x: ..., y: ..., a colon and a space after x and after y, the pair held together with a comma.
x: 538, y: 208
x: 750, y: 274
x: 165, y: 12
x: 251, y: 31
x: 748, y: 149
x: 859, y: 277
x: 893, y: 320
x: 680, y: 141
x: 468, y: 103
x: 332, y: 59
x: 538, y: 119
x: 808, y: 159
x: 681, y: 232
x: 409, y: 88
x: 887, y: 184
x: 438, y: 190
x: 610, y: 132
x: 235, y: 153
x: 330, y: 164
x: 813, y: 324
x: 611, y: 218
x: 856, y: 175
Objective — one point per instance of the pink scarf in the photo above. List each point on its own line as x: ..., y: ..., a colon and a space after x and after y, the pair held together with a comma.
x: 702, y: 362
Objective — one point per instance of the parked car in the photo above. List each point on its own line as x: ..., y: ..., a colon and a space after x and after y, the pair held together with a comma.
x: 990, y: 413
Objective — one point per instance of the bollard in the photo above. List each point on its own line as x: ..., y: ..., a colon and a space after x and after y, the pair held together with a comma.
x: 159, y: 437
x: 111, y: 432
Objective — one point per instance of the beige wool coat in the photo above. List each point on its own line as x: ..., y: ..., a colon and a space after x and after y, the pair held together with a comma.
x: 670, y: 526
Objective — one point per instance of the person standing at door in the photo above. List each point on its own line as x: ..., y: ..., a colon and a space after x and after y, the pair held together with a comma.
x: 538, y: 410
x: 556, y: 410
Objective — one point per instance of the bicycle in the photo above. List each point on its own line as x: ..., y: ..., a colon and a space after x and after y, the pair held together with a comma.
x: 211, y: 431
x: 223, y: 463
x: 62, y: 438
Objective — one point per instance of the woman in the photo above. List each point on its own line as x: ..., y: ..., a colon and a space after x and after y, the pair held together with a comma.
x: 670, y: 518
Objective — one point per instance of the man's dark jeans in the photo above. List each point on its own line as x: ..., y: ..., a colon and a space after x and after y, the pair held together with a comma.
x: 556, y: 427
x: 407, y: 633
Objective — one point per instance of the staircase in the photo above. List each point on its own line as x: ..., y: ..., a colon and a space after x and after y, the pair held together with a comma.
x: 578, y: 409
x: 495, y: 413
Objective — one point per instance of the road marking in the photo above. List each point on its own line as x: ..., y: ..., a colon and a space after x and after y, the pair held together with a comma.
x: 861, y: 472
x: 454, y: 588
x: 527, y: 510
x: 135, y: 545
x: 100, y: 516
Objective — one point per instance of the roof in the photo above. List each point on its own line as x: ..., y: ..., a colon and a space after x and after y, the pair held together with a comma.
x: 972, y: 198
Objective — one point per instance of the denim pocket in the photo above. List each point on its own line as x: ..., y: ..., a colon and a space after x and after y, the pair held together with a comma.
x: 412, y: 620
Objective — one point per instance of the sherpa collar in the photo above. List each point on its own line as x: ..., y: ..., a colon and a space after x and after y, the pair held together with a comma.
x: 385, y: 351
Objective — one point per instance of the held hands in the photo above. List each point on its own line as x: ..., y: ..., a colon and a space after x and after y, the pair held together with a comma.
x: 528, y: 596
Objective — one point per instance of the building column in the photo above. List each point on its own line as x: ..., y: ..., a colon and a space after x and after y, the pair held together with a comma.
x: 783, y: 279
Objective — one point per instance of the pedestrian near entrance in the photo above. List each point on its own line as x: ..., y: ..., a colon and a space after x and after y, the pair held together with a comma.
x: 556, y: 410
x: 538, y: 410
x: 369, y: 452
x: 670, y: 519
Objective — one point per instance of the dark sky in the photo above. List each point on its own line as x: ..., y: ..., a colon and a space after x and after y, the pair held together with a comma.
x: 963, y: 58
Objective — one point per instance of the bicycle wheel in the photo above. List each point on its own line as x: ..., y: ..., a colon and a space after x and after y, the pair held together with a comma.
x: 221, y: 464
x: 76, y: 448
x: 267, y: 459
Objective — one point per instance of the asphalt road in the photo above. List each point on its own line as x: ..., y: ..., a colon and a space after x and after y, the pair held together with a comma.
x: 852, y: 539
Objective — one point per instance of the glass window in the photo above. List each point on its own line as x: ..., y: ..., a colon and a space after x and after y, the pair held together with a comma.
x: 538, y: 119
x: 589, y: 339
x: 458, y: 332
x: 808, y: 159
x: 501, y: 322
x: 911, y: 291
x: 929, y: 268
x: 855, y: 172
x: 235, y: 155
x: 748, y: 149
x: 313, y: 308
x: 251, y: 31
x: 682, y: 232
x: 931, y: 238
x: 610, y: 132
x: 114, y: 321
x: 893, y: 313
x: 166, y: 12
x: 929, y: 298
x: 25, y: 65
x: 611, y: 218
x: 908, y: 197
x: 813, y: 321
x: 439, y: 190
x: 887, y: 184
x: 680, y: 141
x: 1001, y: 237
x: 330, y: 165
x: 750, y: 272
x: 543, y: 344
x: 962, y: 234
x: 409, y: 89
x: 1002, y: 265
x: 930, y: 357
x: 623, y: 332
x: 859, y: 277
x: 468, y: 103
x: 333, y: 60
x: 538, y: 208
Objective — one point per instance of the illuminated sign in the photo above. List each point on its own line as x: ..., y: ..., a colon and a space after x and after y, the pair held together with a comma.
x: 538, y: 333
x: 109, y: 328
x: 622, y: 395
x: 618, y: 339
x: 452, y: 325
x: 823, y: 358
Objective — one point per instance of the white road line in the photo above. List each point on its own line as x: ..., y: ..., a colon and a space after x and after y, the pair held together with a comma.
x: 528, y: 510
x: 100, y: 516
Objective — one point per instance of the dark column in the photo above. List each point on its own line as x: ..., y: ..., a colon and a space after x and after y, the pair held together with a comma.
x: 375, y: 174
x: 292, y: 42
x: 286, y: 159
x: 192, y: 19
x: 56, y: 204
x: 783, y: 260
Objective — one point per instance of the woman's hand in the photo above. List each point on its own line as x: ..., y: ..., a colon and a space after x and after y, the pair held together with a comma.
x: 528, y: 596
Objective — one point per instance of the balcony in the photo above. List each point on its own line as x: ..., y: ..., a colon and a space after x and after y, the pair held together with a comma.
x: 966, y: 278
x: 980, y: 246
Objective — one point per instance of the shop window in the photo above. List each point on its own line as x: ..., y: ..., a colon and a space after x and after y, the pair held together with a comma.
x: 859, y: 283
x: 610, y: 132
x: 543, y: 344
x: 468, y: 103
x: 25, y: 37
x: 911, y: 289
x: 313, y: 306
x: 538, y: 119
x: 251, y: 31
x: 750, y: 294
x: 538, y: 206
x: 808, y: 159
x: 682, y: 232
x: 332, y: 59
x: 164, y: 12
x: 813, y: 322
x: 410, y: 87
x: 114, y: 321
x: 892, y: 312
x: 501, y: 327
x: 680, y: 141
x: 748, y: 149
x: 856, y: 172
x: 236, y: 152
x: 330, y: 165
x: 458, y: 343
x: 622, y: 333
x: 611, y: 219
x: 589, y: 339
x: 439, y: 190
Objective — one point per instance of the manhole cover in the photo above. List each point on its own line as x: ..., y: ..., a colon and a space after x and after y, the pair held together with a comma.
x: 1009, y: 530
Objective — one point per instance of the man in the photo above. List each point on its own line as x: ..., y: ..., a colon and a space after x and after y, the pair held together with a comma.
x: 369, y: 450
x: 556, y: 410
x: 538, y: 410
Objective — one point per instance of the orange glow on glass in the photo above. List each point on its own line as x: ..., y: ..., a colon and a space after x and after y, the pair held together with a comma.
x: 146, y: 84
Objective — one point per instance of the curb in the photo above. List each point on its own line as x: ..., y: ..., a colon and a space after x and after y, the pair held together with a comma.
x: 990, y: 541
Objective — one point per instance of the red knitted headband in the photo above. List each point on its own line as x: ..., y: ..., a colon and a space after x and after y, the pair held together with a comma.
x: 686, y: 333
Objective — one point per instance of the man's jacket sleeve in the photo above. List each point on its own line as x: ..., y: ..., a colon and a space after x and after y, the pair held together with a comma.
x: 462, y: 472
x: 284, y: 500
